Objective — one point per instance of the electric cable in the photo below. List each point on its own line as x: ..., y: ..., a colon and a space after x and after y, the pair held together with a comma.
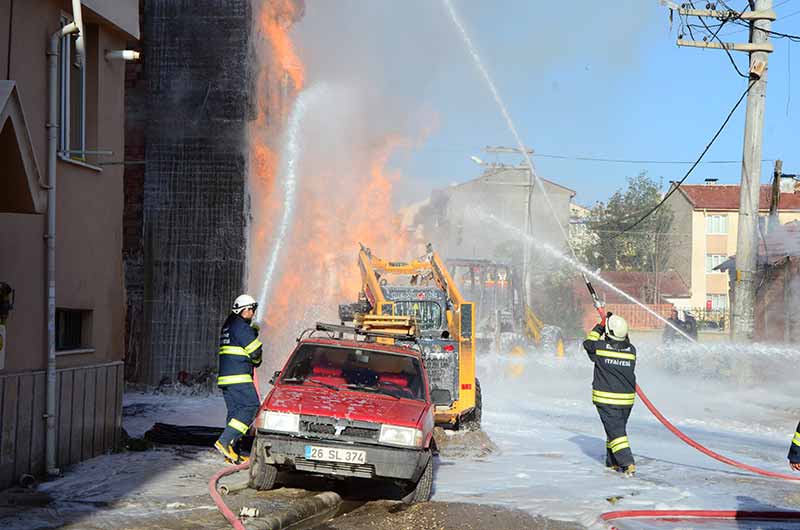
x: 689, y: 172
x: 727, y: 52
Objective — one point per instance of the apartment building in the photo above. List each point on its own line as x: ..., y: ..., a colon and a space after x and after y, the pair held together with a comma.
x: 704, y: 235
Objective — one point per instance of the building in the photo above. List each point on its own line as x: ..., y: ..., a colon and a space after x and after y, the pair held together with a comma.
x: 778, y: 278
x: 704, y: 234
x: 480, y: 217
x: 89, y: 296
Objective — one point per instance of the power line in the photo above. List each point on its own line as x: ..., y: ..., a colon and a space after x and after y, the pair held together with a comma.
x: 678, y: 184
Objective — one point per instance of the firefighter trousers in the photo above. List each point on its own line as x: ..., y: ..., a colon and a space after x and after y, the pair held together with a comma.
x: 242, y: 402
x: 615, y: 420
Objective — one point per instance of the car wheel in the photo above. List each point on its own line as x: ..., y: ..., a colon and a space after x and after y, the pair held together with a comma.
x: 422, y: 491
x: 262, y: 475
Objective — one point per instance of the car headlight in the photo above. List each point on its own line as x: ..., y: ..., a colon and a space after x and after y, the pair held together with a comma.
x: 280, y: 421
x: 406, y: 436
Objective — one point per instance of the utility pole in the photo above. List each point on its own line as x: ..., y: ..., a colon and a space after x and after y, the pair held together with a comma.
x: 759, y: 48
x: 743, y: 314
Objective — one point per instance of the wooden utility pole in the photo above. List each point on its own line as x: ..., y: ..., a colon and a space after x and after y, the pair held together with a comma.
x: 759, y: 47
x: 743, y: 313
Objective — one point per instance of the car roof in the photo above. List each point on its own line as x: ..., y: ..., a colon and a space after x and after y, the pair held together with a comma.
x: 362, y: 345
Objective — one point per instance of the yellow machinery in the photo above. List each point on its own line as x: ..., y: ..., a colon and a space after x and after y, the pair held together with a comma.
x: 504, y: 321
x: 423, y: 289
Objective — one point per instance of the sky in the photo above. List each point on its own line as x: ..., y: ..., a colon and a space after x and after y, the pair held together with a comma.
x: 589, y: 80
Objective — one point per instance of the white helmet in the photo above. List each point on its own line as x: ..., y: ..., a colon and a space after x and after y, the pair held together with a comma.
x: 616, y: 328
x: 242, y: 302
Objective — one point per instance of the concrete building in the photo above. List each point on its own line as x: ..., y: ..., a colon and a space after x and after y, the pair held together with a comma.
x: 90, y: 312
x: 458, y: 219
x: 704, y: 235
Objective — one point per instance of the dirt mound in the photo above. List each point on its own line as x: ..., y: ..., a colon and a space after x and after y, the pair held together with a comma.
x: 463, y: 444
x: 441, y: 515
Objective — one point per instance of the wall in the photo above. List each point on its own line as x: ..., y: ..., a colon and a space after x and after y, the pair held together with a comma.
x: 680, y: 237
x: 89, y: 235
x: 194, y: 203
x: 88, y: 424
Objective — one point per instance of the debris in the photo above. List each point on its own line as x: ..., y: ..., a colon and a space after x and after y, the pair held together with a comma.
x: 249, y: 512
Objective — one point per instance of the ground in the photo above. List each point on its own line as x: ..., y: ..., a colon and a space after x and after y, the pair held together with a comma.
x: 548, y: 459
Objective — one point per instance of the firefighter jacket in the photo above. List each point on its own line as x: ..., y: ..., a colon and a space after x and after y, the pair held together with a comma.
x: 794, y: 449
x: 239, y: 351
x: 614, y: 364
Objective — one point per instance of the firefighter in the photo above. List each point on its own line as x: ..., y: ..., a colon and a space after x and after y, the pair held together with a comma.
x: 613, y: 387
x: 794, y: 450
x: 239, y: 353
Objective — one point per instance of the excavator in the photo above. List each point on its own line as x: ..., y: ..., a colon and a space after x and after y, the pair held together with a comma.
x: 505, y: 323
x: 424, y: 290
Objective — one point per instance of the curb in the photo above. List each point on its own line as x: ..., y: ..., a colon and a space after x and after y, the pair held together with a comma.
x: 318, y: 506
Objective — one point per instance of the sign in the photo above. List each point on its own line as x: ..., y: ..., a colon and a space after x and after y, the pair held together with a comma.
x: 2, y: 346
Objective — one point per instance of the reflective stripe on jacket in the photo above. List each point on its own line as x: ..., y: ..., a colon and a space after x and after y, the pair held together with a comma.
x: 614, y: 361
x: 239, y: 351
x: 794, y: 447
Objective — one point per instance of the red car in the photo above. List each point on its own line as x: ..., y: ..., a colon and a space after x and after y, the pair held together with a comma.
x: 347, y: 408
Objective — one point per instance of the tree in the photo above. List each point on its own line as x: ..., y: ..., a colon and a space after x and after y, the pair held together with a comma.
x: 644, y: 248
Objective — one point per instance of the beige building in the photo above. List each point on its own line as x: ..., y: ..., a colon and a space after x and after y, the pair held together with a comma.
x: 89, y: 296
x: 704, y: 234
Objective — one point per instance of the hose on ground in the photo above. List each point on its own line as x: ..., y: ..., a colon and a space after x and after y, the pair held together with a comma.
x: 708, y: 452
x: 704, y: 514
x: 221, y: 506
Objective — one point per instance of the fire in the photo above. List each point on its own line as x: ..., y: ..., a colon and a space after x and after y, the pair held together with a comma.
x: 335, y: 209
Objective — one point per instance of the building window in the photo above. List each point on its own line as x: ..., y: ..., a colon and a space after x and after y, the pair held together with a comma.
x: 716, y: 224
x: 72, y: 104
x: 717, y: 302
x: 713, y: 260
x: 73, y: 329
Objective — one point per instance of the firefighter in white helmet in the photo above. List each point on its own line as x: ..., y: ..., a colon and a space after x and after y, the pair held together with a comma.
x: 614, y: 386
x: 239, y: 354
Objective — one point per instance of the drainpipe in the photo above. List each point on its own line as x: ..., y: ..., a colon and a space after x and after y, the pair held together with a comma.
x: 50, y: 239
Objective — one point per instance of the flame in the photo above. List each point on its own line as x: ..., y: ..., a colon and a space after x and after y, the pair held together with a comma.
x: 333, y: 213
x: 320, y: 270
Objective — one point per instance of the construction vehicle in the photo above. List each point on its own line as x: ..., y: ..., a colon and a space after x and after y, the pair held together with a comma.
x: 424, y: 290
x: 504, y: 322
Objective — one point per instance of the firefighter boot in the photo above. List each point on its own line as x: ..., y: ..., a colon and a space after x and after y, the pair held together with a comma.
x: 630, y: 470
x: 226, y: 452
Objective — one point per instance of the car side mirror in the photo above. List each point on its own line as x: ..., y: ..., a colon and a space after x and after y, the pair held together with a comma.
x: 275, y: 377
x: 440, y: 396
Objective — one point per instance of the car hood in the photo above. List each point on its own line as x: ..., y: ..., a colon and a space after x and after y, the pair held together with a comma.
x: 348, y: 404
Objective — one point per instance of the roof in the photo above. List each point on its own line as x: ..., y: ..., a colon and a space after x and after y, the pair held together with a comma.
x: 726, y: 197
x: 490, y: 174
x: 640, y: 284
x: 780, y: 243
x: 123, y: 14
x: 22, y: 192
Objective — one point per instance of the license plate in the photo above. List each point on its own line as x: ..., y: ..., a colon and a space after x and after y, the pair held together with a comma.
x: 334, y: 454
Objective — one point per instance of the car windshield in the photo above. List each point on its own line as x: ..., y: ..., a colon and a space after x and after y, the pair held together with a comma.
x: 427, y: 313
x: 357, y: 369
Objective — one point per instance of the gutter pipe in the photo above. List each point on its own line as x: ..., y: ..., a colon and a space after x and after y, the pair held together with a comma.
x: 50, y: 238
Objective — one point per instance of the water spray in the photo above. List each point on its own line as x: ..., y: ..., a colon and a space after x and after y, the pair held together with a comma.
x: 289, y: 176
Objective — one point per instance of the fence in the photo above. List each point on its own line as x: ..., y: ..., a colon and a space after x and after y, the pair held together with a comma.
x: 89, y: 401
x: 641, y: 319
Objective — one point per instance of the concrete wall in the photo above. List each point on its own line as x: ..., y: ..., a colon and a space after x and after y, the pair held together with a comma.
x: 680, y: 257
x: 89, y: 203
x: 88, y: 254
x: 187, y: 217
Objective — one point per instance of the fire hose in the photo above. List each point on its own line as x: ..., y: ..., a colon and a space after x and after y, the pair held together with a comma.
x: 686, y: 514
x: 226, y: 512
